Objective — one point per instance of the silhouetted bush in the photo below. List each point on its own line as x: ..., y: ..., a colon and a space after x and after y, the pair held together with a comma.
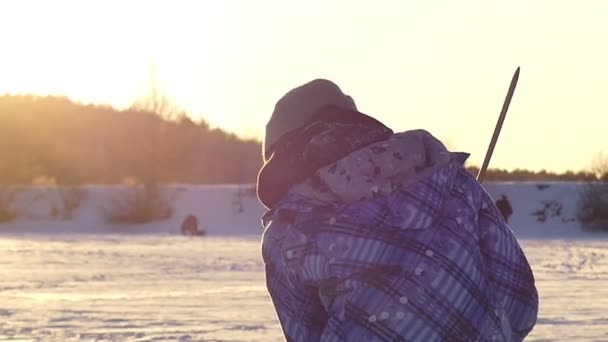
x: 71, y: 198
x: 139, y: 204
x: 7, y: 197
x: 593, y: 200
x: 593, y: 206
x: 242, y: 192
x: 550, y: 209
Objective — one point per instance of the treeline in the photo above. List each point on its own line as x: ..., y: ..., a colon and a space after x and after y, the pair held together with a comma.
x: 56, y: 140
x: 543, y: 175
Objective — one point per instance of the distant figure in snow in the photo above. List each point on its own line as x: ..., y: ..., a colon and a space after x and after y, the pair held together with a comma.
x: 377, y: 236
x: 190, y: 226
x: 504, y: 206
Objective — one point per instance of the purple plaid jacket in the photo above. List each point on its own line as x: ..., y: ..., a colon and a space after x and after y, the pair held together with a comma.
x: 432, y: 261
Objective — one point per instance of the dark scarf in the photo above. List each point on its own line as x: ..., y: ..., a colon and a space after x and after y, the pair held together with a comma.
x: 329, y: 136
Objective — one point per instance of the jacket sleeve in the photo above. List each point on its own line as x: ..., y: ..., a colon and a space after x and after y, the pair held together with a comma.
x: 295, y: 298
x: 508, y: 270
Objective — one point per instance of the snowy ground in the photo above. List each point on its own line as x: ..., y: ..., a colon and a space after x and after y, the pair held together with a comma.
x: 136, y: 288
x: 160, y: 287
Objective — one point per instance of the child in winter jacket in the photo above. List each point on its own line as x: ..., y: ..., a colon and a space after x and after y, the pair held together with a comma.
x: 377, y: 236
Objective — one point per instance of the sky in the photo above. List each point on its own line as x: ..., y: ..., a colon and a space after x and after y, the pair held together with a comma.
x: 443, y: 66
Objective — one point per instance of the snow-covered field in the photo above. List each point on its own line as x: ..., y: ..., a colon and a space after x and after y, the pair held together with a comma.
x: 171, y: 288
x: 136, y: 288
x: 82, y: 279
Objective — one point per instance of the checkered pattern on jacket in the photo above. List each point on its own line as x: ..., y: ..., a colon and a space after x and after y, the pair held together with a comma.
x: 433, y: 261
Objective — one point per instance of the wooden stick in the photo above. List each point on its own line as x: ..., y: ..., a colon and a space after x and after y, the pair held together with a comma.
x: 503, y: 113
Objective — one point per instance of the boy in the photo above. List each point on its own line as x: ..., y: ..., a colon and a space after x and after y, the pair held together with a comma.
x: 376, y: 236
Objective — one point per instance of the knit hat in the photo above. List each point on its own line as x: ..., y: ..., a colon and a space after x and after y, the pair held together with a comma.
x: 298, y: 106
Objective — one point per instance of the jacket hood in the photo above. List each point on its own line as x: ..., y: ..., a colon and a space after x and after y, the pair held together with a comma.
x: 391, y: 173
x: 378, y: 168
x: 330, y: 135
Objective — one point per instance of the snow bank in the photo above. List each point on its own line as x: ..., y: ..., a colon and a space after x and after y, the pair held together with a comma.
x: 225, y: 210
x: 540, y: 209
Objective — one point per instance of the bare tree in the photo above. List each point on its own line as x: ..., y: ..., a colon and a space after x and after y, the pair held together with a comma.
x: 600, y: 166
x: 157, y: 101
x: 152, y: 164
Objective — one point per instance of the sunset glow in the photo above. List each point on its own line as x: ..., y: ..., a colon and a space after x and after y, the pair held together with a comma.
x: 438, y: 65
